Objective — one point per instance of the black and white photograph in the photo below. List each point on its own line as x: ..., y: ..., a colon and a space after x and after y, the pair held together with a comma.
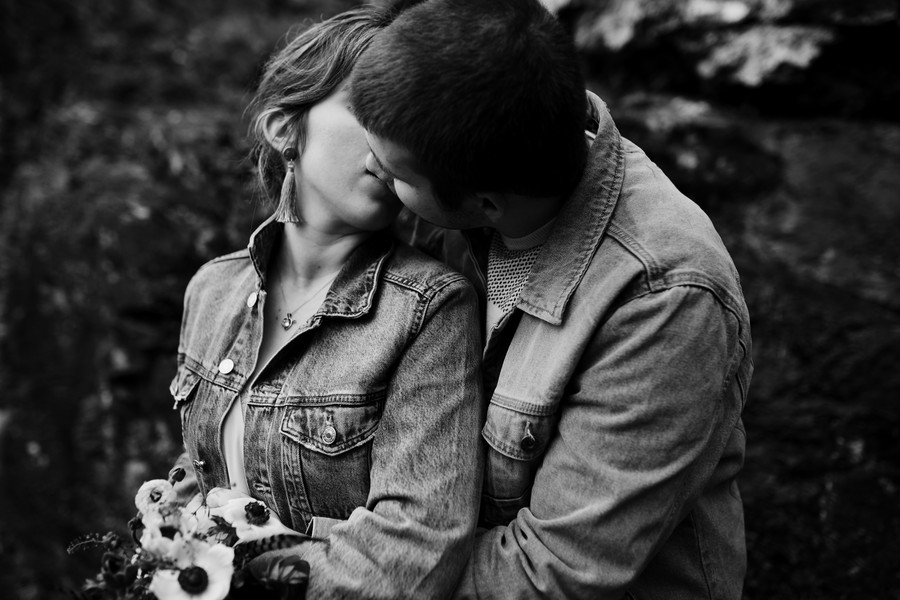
x: 450, y: 299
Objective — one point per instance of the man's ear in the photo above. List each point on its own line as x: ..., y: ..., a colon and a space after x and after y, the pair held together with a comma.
x: 490, y: 204
x: 278, y: 132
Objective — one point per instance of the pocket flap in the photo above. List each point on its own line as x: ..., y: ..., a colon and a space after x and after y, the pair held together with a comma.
x: 183, y: 384
x: 331, y: 429
x: 516, y: 432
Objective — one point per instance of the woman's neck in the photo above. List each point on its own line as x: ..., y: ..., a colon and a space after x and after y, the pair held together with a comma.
x: 306, y: 255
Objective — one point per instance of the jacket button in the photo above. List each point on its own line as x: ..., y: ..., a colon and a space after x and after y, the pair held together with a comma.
x: 528, y: 440
x: 226, y: 366
x: 251, y: 299
x: 199, y: 464
x: 329, y: 434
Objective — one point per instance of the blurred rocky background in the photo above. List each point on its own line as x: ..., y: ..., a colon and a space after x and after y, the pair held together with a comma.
x: 122, y: 169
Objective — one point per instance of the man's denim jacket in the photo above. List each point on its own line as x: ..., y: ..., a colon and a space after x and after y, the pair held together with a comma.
x: 616, y: 390
x: 370, y: 415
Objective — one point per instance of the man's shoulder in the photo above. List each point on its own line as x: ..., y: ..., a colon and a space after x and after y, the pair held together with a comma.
x: 661, y: 227
x: 656, y: 239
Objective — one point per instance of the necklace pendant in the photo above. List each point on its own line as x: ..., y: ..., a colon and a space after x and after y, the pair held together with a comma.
x: 287, y: 322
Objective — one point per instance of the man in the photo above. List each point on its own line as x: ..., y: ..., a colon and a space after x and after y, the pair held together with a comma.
x: 617, y: 341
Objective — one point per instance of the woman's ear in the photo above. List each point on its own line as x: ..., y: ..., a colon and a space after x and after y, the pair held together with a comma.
x: 278, y: 132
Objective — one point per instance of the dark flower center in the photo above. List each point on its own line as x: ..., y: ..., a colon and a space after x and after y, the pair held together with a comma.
x: 168, y: 531
x: 257, y: 513
x: 193, y: 580
x: 155, y: 495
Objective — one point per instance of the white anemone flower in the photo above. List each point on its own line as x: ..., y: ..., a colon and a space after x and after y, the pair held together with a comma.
x: 154, y: 495
x: 247, y: 528
x: 207, y: 577
x: 232, y: 506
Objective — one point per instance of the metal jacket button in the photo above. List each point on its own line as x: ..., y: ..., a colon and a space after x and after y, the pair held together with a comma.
x: 528, y: 440
x: 329, y: 434
x: 199, y: 464
x: 226, y: 366
x: 251, y: 299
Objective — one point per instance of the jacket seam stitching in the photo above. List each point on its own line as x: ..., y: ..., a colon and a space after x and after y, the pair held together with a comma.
x: 435, y: 290
x: 524, y: 407
x: 658, y: 280
x: 630, y: 244
x: 699, y: 284
x: 428, y: 290
x: 740, y: 353
x: 702, y: 555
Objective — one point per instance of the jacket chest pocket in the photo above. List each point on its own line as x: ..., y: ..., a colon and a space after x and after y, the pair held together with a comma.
x: 328, y: 449
x: 517, y: 434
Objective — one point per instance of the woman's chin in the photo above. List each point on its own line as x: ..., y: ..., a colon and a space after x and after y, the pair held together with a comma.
x: 384, y: 207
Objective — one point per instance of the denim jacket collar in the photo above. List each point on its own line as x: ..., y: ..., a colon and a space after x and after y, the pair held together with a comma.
x: 352, y: 293
x: 580, y: 224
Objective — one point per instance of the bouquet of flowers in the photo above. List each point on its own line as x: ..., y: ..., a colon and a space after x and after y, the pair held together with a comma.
x: 198, y: 551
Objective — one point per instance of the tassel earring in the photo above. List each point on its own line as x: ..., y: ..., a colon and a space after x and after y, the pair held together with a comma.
x: 287, y: 203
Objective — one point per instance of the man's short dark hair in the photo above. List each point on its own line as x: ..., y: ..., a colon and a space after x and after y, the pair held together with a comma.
x: 487, y: 94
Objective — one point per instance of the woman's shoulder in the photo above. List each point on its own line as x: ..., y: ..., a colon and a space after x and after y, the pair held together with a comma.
x: 220, y: 272
x: 239, y: 259
x: 411, y: 267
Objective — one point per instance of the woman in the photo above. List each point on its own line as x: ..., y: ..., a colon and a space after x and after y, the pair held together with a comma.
x: 327, y: 370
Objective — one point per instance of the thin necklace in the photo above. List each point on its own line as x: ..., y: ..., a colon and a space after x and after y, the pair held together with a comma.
x: 288, y: 321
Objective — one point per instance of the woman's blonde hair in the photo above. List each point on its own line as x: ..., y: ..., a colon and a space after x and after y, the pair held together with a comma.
x: 309, y: 68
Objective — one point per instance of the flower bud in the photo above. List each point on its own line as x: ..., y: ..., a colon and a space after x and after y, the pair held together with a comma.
x: 176, y: 474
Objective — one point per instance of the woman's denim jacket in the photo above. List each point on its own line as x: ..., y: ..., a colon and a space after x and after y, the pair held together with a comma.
x: 616, y: 389
x: 371, y: 414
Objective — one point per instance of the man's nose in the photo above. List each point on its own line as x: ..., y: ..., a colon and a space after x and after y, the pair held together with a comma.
x: 374, y: 168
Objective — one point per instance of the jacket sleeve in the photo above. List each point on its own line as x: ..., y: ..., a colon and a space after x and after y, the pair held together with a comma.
x: 415, y: 533
x: 642, y: 426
